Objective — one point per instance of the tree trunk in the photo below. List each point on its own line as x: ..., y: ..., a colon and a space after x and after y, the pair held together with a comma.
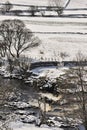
x: 17, y: 55
x: 85, y: 124
x: 33, y: 13
x: 59, y: 12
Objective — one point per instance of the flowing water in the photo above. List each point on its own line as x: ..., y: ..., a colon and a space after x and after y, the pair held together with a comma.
x: 17, y: 90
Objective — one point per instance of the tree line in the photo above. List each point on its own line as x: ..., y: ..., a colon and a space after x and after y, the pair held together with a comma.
x: 58, y: 8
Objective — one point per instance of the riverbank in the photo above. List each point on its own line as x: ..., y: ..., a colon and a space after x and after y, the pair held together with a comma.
x: 34, y: 97
x: 27, y: 103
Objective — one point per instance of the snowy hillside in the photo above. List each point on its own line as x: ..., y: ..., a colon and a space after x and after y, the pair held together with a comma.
x: 78, y: 4
x: 67, y: 35
x: 73, y: 3
x: 21, y: 126
x: 58, y: 35
x: 64, y: 34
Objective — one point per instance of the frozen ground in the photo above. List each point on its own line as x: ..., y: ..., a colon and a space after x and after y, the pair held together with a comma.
x: 49, y: 72
x: 21, y: 126
x: 73, y: 3
x: 57, y: 35
x: 62, y: 34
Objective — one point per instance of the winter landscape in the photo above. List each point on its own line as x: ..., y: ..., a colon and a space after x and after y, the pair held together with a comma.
x: 43, y: 65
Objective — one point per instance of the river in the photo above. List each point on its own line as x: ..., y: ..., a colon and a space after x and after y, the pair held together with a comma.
x: 13, y: 90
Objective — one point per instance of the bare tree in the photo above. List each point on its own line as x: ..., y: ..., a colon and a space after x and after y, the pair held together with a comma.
x: 75, y: 81
x: 16, y: 37
x: 42, y: 113
x: 5, y: 93
x: 2, y: 49
x: 7, y: 6
x: 63, y: 55
x: 59, y: 5
x: 32, y: 10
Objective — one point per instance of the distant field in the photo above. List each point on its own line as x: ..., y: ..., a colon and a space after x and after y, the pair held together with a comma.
x: 64, y: 34
x: 69, y: 35
x: 73, y: 3
x: 57, y: 35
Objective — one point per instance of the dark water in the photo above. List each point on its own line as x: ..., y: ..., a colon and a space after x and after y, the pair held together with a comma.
x: 22, y: 92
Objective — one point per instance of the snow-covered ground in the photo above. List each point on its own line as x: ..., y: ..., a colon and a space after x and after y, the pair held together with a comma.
x: 49, y: 72
x: 73, y: 3
x: 69, y: 35
x: 58, y: 35
x: 62, y: 34
x: 22, y: 126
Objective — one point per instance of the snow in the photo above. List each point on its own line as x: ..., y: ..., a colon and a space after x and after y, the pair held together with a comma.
x: 71, y: 36
x: 72, y: 4
x: 81, y: 127
x: 50, y: 72
x: 29, y: 119
x: 21, y: 126
x: 67, y: 40
x: 20, y: 104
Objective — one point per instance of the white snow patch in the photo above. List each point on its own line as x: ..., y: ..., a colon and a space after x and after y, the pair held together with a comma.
x: 21, y: 126
x: 50, y: 72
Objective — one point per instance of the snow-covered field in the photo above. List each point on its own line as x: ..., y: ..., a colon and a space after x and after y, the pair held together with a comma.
x: 21, y: 126
x: 61, y: 34
x: 57, y: 35
x: 73, y: 3
x: 69, y: 35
